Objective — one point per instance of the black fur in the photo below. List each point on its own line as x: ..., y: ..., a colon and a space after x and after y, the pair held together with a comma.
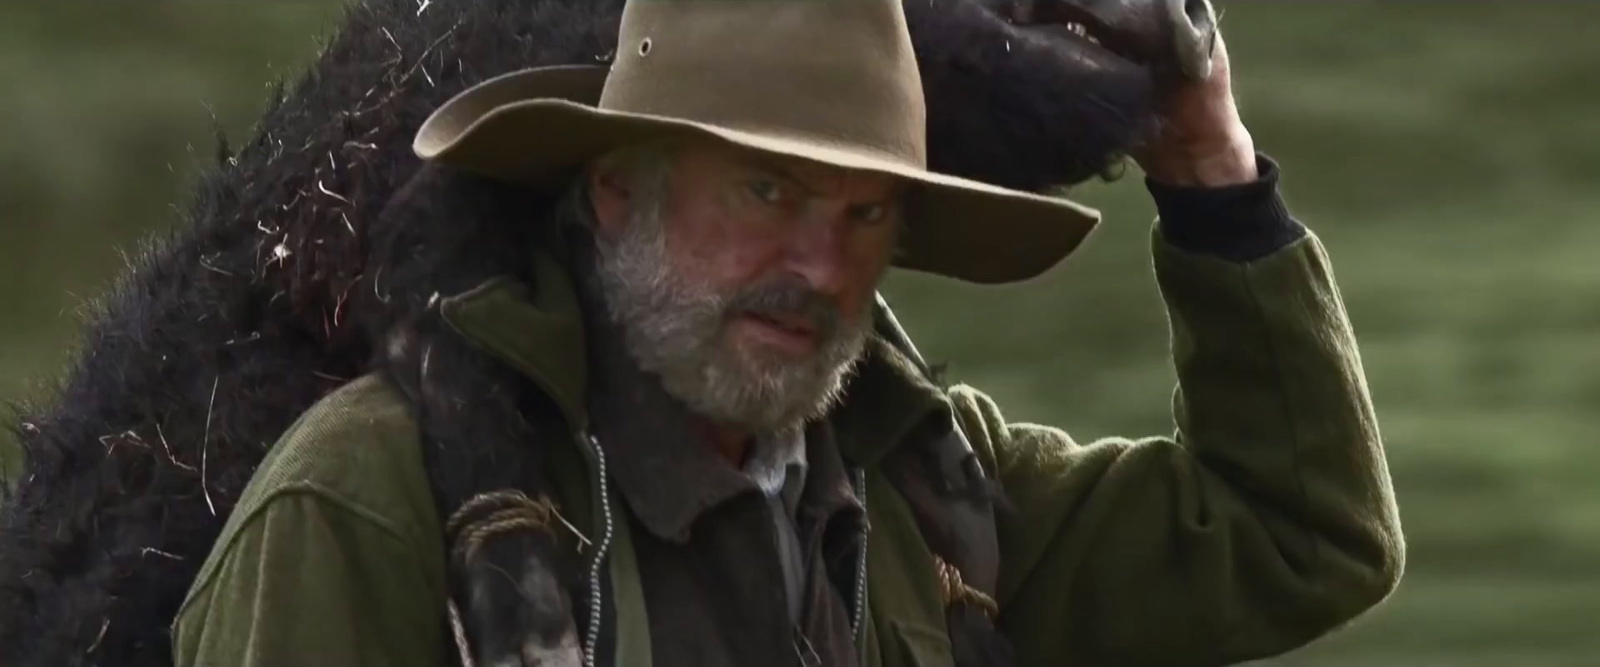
x: 321, y: 242
x: 478, y: 417
x: 1018, y: 106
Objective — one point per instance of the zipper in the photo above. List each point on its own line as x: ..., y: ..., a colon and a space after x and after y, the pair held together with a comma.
x: 603, y: 499
x: 858, y: 479
x: 803, y: 646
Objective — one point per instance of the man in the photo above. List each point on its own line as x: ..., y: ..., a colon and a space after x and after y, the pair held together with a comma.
x: 714, y: 270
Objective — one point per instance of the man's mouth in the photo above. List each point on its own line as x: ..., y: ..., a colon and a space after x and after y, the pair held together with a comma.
x: 793, y: 333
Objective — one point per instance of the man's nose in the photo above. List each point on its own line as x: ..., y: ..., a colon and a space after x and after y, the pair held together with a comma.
x: 819, y: 252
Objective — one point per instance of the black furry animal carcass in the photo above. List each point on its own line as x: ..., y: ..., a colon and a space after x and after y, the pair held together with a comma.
x: 309, y: 257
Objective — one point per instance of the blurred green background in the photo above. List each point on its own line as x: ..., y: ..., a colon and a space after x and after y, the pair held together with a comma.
x: 1447, y: 153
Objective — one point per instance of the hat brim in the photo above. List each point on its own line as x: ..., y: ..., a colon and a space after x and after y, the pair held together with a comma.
x: 536, y: 126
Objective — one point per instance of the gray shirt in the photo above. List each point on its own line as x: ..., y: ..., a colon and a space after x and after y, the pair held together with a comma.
x: 778, y: 467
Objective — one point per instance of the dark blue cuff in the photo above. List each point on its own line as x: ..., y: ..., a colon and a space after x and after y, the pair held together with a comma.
x: 1239, y: 223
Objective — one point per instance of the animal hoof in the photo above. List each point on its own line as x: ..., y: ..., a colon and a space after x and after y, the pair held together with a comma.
x: 517, y: 612
x: 565, y: 653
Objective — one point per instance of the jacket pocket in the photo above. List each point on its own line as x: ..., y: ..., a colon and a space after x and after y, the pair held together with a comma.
x: 923, y: 646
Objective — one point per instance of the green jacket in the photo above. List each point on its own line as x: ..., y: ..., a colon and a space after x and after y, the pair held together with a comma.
x: 1265, y: 522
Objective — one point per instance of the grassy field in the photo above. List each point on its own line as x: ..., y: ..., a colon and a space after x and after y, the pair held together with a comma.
x: 1447, y: 153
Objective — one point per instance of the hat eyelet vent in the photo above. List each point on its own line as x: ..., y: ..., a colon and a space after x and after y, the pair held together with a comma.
x: 644, y: 47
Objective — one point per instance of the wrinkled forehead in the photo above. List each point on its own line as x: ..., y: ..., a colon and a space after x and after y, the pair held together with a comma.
x: 817, y: 178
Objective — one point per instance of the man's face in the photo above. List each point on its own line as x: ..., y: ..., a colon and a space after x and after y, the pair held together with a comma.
x: 745, y: 281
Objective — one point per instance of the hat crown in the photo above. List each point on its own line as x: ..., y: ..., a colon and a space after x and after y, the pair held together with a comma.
x: 835, y: 73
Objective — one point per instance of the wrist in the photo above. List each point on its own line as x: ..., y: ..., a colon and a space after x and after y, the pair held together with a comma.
x: 1229, y: 160
x: 1238, y: 223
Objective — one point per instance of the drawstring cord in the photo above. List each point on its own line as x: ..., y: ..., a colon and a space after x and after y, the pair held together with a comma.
x: 488, y: 514
x: 954, y: 591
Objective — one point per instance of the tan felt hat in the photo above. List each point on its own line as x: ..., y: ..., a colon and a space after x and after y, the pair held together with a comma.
x: 834, y: 81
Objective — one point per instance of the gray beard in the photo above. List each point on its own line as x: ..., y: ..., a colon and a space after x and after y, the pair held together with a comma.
x: 676, y: 330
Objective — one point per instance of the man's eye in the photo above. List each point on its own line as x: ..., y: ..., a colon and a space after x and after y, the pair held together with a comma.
x: 870, y: 213
x: 766, y: 191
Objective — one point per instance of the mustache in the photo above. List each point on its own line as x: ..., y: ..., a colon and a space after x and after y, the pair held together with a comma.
x: 789, y: 297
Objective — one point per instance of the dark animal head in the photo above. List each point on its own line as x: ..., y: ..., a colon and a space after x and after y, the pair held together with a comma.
x: 1168, y: 39
x: 1034, y: 94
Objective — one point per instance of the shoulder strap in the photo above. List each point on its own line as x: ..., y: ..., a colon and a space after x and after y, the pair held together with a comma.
x: 942, y: 479
x: 954, y: 504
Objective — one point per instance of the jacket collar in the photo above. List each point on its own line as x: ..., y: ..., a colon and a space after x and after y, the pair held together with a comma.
x: 537, y: 327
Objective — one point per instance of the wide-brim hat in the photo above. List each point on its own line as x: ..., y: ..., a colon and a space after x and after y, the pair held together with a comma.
x: 833, y: 81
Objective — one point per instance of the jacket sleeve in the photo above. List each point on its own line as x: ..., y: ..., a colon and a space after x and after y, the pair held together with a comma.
x: 1266, y: 521
x: 308, y: 581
